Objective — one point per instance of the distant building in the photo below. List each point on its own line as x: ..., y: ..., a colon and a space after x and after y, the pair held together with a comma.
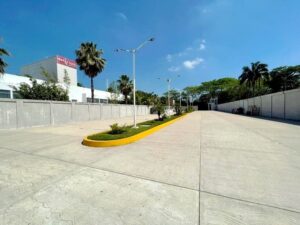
x: 56, y: 66
x: 8, y: 83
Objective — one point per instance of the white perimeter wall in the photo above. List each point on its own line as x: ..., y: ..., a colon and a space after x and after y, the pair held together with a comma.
x: 28, y: 113
x: 282, y: 105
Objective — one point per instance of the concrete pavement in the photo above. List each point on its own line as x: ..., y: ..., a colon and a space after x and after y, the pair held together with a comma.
x: 208, y: 168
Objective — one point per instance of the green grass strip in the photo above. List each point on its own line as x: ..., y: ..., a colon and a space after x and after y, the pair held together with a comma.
x: 130, y: 131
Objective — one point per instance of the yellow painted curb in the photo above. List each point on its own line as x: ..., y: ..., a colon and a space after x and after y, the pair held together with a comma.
x: 127, y: 140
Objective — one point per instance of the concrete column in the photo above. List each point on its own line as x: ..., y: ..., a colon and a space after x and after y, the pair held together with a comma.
x: 284, y: 105
x: 19, y: 112
x: 101, y: 111
x: 271, y: 96
x: 89, y: 111
x: 51, y: 114
x: 73, y: 111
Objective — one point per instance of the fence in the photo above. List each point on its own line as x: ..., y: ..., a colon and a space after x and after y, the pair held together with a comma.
x: 28, y: 113
x: 282, y: 105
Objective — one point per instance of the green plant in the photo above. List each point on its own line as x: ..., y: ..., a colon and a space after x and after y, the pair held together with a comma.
x: 125, y: 86
x: 90, y: 61
x: 43, y: 91
x: 251, y: 75
x: 116, y: 129
x: 3, y: 64
x: 178, y: 110
x: 189, y: 109
x: 160, y: 109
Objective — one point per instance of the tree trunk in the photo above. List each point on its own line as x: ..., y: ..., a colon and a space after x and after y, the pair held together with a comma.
x: 125, y: 99
x: 92, y: 89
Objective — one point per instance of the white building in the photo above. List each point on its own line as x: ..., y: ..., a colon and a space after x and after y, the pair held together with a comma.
x: 10, y: 82
x: 57, y: 66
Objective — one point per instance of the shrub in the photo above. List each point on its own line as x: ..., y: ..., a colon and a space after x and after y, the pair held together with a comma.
x: 116, y: 129
x: 44, y: 91
x: 240, y: 110
x: 189, y: 109
x: 178, y: 110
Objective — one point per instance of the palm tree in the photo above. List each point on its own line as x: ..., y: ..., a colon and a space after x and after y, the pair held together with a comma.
x: 250, y: 76
x: 125, y: 86
x: 3, y: 52
x: 90, y: 61
x: 284, y: 78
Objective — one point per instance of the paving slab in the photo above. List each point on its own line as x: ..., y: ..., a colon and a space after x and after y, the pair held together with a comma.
x: 92, y: 197
x: 23, y: 174
x: 217, y: 210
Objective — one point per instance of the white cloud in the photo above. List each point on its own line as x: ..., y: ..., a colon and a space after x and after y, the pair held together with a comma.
x: 174, y: 68
x: 169, y: 58
x: 202, y: 46
x: 122, y: 16
x: 191, y: 64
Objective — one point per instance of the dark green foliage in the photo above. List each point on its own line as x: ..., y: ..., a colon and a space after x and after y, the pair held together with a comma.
x: 159, y: 109
x: 90, y: 60
x: 44, y: 91
x: 116, y: 129
x: 178, y: 110
x: 284, y: 78
x: 125, y: 86
x: 145, y: 98
x: 3, y: 64
x: 253, y: 75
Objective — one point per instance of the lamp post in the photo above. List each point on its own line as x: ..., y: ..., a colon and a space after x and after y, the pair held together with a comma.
x: 169, y: 87
x: 133, y: 52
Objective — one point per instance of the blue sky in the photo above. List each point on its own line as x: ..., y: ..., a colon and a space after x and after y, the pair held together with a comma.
x: 200, y: 40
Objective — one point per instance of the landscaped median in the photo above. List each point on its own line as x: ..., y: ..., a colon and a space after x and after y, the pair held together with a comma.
x: 129, y: 134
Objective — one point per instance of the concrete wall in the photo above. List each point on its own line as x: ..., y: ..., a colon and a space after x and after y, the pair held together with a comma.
x: 28, y: 113
x: 282, y: 105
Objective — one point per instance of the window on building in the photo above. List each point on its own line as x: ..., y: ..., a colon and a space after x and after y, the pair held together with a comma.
x: 4, y: 93
x: 96, y: 100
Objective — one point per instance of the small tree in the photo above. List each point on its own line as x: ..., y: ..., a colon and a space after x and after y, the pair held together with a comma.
x: 3, y: 64
x: 125, y: 86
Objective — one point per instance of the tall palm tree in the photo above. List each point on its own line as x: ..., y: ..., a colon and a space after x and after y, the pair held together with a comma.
x: 251, y: 75
x: 3, y: 52
x: 125, y: 86
x: 90, y: 61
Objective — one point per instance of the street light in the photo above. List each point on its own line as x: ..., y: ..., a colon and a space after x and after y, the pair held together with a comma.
x: 133, y: 52
x: 169, y: 87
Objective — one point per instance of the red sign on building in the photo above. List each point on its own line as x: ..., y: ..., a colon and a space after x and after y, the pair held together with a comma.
x: 65, y: 61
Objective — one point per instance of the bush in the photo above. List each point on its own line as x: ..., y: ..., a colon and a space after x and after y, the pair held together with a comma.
x: 44, y: 91
x: 178, y: 110
x: 116, y: 129
x: 240, y: 110
x: 189, y: 109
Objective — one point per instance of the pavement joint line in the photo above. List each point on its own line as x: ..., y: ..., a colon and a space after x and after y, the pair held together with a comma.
x: 200, y: 171
x: 251, y: 202
x: 104, y: 169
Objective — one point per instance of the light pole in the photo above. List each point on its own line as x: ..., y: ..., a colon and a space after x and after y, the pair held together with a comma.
x: 179, y: 97
x: 169, y: 87
x: 133, y: 52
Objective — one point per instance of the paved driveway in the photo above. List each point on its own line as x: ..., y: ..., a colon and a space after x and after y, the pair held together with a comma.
x: 209, y: 168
